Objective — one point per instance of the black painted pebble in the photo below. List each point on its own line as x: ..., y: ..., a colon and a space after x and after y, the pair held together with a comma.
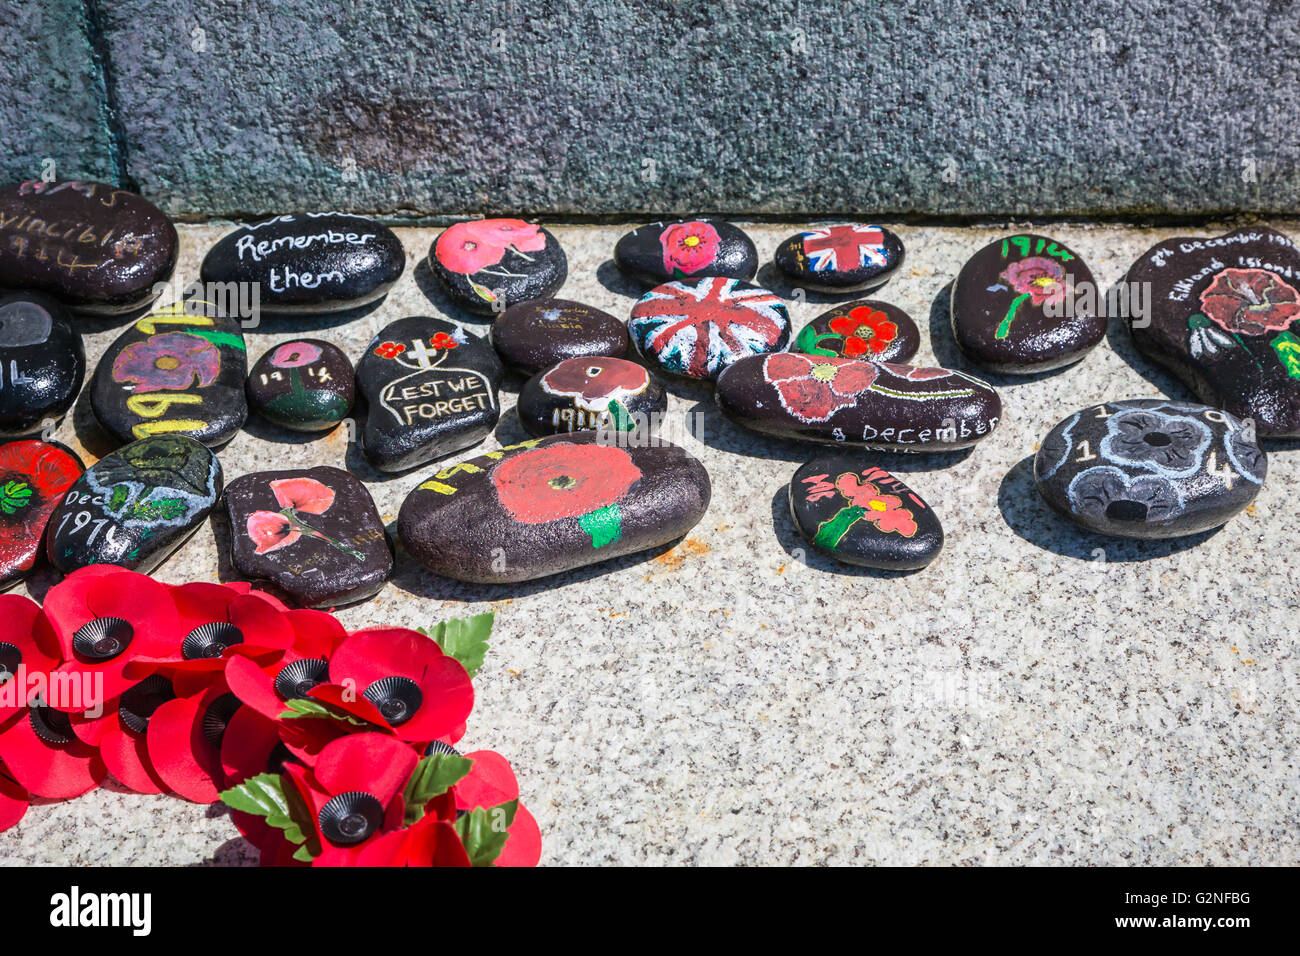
x: 549, y: 505
x: 877, y: 404
x: 96, y: 248
x: 1026, y: 304
x: 865, y: 329
x: 315, y: 534
x: 34, y: 476
x: 1150, y: 468
x: 604, y: 393
x: 860, y: 514
x: 532, y: 336
x: 686, y: 249
x: 1224, y: 315
x: 849, y: 258
x: 431, y: 389
x: 135, y: 506
x: 305, y: 385
x: 42, y: 363
x: 176, y: 371
x: 488, y: 265
x: 311, y: 263
x: 696, y: 328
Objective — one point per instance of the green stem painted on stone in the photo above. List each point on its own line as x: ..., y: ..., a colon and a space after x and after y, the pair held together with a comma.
x: 830, y: 531
x: 623, y: 421
x: 1005, y: 328
x: 605, y: 525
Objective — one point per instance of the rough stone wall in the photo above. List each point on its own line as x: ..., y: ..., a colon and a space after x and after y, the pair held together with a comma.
x: 963, y: 108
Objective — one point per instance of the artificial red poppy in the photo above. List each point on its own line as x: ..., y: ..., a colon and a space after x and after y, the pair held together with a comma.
x: 34, y: 476
x: 218, y: 621
x: 28, y: 652
x: 43, y: 754
x: 389, y: 350
x: 251, y: 745
x: 184, y: 737
x: 1251, y: 301
x: 266, y: 685
x: 119, y: 734
x: 490, y: 783
x: 104, y: 622
x: 430, y: 841
x: 812, y: 388
x: 563, y: 480
x: 354, y: 795
x: 14, y: 800
x: 866, y: 331
x: 399, y: 679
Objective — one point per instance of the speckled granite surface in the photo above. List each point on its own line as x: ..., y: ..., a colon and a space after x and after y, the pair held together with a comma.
x: 1038, y: 695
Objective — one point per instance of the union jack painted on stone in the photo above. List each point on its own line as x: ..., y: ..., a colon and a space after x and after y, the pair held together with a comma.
x: 845, y: 248
x: 698, y: 328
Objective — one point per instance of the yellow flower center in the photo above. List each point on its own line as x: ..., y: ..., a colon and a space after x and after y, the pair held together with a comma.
x: 823, y: 373
x: 875, y: 504
x: 167, y: 363
x: 691, y: 241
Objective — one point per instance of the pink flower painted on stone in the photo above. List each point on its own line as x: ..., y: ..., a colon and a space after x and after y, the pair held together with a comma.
x: 885, y: 511
x: 469, y: 247
x: 303, y: 494
x: 1041, y: 278
x: 295, y: 355
x: 1251, y: 301
x: 172, y: 361
x: 689, y: 247
x: 508, y: 233
x: 271, y: 530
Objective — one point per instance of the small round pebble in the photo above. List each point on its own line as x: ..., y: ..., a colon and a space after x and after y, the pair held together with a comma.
x: 305, y: 385
x: 850, y: 258
x: 532, y: 336
x: 865, y: 329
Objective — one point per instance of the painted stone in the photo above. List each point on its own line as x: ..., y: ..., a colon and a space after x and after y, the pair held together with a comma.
x: 881, y: 405
x: 1150, y: 468
x: 42, y: 363
x: 488, y: 265
x: 686, y: 249
x: 860, y: 514
x: 849, y: 258
x: 695, y: 329
x: 176, y: 371
x: 602, y: 393
x: 1224, y: 316
x: 865, y: 329
x: 315, y: 534
x: 533, y: 336
x: 135, y: 506
x: 549, y: 505
x: 1026, y: 304
x: 96, y: 248
x: 311, y: 263
x: 34, y: 476
x: 431, y: 388
x: 306, y: 385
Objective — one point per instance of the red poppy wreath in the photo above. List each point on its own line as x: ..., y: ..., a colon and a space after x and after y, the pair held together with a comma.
x: 332, y: 748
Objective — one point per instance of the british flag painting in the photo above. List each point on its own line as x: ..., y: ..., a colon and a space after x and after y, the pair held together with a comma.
x: 845, y: 248
x: 696, y: 328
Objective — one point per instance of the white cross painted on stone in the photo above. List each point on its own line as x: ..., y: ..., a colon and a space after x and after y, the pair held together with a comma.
x: 424, y: 356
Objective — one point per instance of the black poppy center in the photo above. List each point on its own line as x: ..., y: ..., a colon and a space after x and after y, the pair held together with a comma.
x: 1126, y: 511
x: 296, y: 679
x: 10, y: 658
x: 438, y: 747
x: 210, y: 640
x: 137, y: 705
x: 52, y: 726
x: 103, y: 638
x: 397, y: 698
x: 349, y: 818
x: 1157, y: 439
x: 562, y: 482
x: 217, y: 718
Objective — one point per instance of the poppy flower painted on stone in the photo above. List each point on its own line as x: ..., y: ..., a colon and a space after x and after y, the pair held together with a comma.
x: 689, y: 247
x: 595, y: 382
x: 813, y: 388
x: 886, y: 512
x: 389, y: 350
x: 1250, y: 301
x: 1170, y: 445
x: 295, y: 355
x: 34, y: 476
x: 442, y: 341
x: 273, y: 530
x: 170, y: 361
x: 1038, y: 280
x: 866, y: 331
x: 568, y: 481
x: 1109, y: 496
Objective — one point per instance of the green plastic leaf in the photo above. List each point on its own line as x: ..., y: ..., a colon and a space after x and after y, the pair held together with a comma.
x: 483, y: 831
x: 432, y: 777
x: 268, y: 795
x: 465, y: 639
x: 304, y: 707
x: 304, y: 854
